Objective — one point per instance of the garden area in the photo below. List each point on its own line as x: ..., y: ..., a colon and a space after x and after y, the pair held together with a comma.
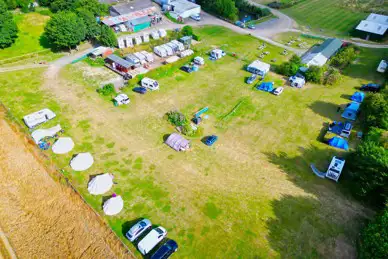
x: 252, y: 194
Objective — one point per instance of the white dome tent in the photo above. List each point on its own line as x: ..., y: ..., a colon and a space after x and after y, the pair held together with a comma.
x: 100, y: 184
x: 82, y: 161
x: 113, y: 206
x: 63, y: 145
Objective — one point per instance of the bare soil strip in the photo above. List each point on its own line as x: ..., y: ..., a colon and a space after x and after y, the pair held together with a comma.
x: 43, y: 218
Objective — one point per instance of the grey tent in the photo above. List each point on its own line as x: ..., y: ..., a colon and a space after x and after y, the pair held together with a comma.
x: 177, y: 142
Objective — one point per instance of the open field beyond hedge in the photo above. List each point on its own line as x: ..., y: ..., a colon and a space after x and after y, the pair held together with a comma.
x: 252, y: 194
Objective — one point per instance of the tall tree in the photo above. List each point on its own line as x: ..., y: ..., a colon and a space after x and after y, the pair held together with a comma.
x: 8, y: 28
x: 92, y: 27
x: 375, y: 109
x: 227, y: 9
x: 93, y: 6
x: 65, y: 30
x: 62, y: 5
x: 108, y: 37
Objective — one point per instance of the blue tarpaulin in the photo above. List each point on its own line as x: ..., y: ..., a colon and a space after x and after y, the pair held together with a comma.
x: 358, y: 97
x: 339, y: 143
x: 266, y: 86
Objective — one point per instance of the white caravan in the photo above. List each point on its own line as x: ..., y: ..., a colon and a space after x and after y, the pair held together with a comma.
x: 149, y: 83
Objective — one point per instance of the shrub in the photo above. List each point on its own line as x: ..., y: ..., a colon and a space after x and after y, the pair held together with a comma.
x: 315, y: 74
x: 106, y: 90
x: 333, y: 77
x: 344, y: 57
x: 196, y: 37
x: 176, y: 118
x: 291, y: 67
x: 375, y: 109
x: 187, y: 30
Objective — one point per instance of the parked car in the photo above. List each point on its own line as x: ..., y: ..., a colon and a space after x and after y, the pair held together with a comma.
x: 252, y: 79
x: 278, y: 91
x: 166, y: 250
x: 196, y: 17
x: 151, y: 240
x: 121, y: 99
x: 186, y: 68
x: 251, y: 26
x: 240, y: 24
x: 211, y: 140
x: 370, y: 87
x: 140, y: 90
x: 139, y: 228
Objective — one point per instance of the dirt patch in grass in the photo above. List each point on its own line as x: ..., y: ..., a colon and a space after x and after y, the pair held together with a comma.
x: 41, y: 217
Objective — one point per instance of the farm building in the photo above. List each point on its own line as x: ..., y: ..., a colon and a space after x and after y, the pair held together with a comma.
x: 375, y: 27
x: 319, y: 55
x: 118, y: 64
x: 351, y: 111
x: 134, y: 16
x: 180, y: 9
x: 177, y: 142
x: 258, y: 67
x: 100, y: 52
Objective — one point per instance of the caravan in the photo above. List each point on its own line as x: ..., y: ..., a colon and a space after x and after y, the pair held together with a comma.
x: 121, y: 43
x: 146, y: 37
x: 138, y: 40
x: 129, y: 42
x: 180, y: 45
x: 168, y: 49
x: 149, y: 84
x: 217, y: 53
x: 186, y: 53
x: 34, y: 119
x: 141, y: 57
x: 149, y: 56
x: 161, y: 52
x: 155, y: 35
x: 162, y: 33
x: 173, y: 46
x: 133, y: 60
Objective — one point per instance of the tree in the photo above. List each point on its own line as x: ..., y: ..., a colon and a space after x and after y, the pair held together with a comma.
x: 107, y: 37
x: 65, y: 30
x: 92, y: 6
x: 375, y: 108
x: 291, y: 67
x: 8, y: 28
x: 62, y: 5
x: 227, y: 9
x: 92, y: 27
x: 333, y: 77
x: 11, y: 4
x: 314, y: 74
x: 374, y: 238
x: 187, y: 30
x: 368, y: 167
x: 344, y: 57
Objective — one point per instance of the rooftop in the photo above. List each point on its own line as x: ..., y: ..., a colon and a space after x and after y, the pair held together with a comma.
x: 111, y: 21
x: 375, y: 23
x: 329, y: 47
x: 181, y: 6
x: 120, y: 61
x: 131, y: 6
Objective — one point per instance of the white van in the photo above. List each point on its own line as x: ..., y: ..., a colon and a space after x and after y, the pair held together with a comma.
x: 151, y: 240
x: 149, y: 83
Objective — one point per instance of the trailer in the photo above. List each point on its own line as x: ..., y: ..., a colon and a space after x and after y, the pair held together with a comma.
x: 133, y: 59
x: 168, y: 49
x: 155, y: 35
x: 138, y: 40
x: 173, y: 46
x: 146, y: 37
x: 121, y: 43
x: 179, y: 44
x: 129, y: 42
x: 217, y: 53
x: 161, y: 52
x: 186, y: 53
x: 162, y: 33
x: 149, y: 56
x: 141, y: 57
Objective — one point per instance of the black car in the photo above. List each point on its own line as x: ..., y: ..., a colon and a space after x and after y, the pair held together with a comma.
x: 370, y: 87
x: 140, y: 90
x: 187, y: 69
x: 166, y: 250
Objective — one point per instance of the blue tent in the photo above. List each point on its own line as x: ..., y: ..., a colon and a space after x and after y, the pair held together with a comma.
x: 351, y: 111
x: 339, y: 143
x: 358, y: 97
x: 266, y: 86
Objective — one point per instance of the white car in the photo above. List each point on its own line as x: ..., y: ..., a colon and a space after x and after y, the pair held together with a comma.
x: 199, y: 61
x: 138, y: 229
x: 278, y: 91
x: 121, y: 99
x: 151, y: 240
x: 196, y: 17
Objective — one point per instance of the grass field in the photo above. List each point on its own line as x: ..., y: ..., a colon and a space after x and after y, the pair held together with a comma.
x: 252, y: 195
x: 325, y: 17
x: 29, y: 41
x: 298, y: 37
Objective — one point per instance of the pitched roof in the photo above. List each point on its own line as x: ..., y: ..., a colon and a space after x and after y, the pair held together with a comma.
x: 133, y: 6
x: 120, y: 61
x: 177, y: 142
x: 378, y: 18
x: 374, y: 23
x: 329, y: 47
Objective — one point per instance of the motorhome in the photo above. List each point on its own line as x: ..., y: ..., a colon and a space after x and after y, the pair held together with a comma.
x: 150, y: 84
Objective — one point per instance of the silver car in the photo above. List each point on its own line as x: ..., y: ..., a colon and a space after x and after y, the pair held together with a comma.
x: 137, y: 229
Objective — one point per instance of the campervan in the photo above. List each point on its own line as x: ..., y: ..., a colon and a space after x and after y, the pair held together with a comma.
x: 121, y: 99
x: 217, y: 53
x: 149, y: 83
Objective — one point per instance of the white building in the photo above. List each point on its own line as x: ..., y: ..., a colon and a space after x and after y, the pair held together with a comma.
x: 180, y: 8
x: 375, y: 24
x: 258, y: 67
x: 319, y: 55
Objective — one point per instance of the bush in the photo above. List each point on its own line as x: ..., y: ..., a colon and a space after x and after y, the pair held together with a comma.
x: 333, y: 77
x: 315, y: 74
x: 106, y: 90
x: 176, y: 118
x: 375, y: 109
x: 374, y: 238
x: 344, y: 57
x: 291, y: 67
x: 196, y: 37
x: 187, y: 30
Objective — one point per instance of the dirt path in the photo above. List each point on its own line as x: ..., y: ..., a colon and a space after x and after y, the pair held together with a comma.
x: 41, y: 217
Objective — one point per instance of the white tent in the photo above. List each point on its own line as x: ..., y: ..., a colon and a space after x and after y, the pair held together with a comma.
x: 81, y: 162
x: 63, y: 145
x: 113, y: 206
x: 38, y: 134
x: 100, y: 184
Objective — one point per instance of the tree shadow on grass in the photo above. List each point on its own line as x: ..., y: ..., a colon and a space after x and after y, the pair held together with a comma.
x: 314, y: 225
x: 328, y: 110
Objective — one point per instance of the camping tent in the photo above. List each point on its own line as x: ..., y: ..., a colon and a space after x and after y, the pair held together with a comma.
x: 358, y: 97
x: 100, y: 184
x: 177, y: 142
x: 38, y: 134
x: 351, y: 111
x: 82, y: 161
x: 63, y: 146
x: 266, y: 86
x: 258, y: 67
x: 338, y: 143
x: 113, y: 206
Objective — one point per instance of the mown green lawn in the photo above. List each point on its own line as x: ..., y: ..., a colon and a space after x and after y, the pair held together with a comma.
x: 252, y: 195
x: 31, y: 27
x: 325, y: 16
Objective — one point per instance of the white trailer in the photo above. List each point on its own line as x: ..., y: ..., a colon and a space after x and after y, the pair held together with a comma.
x: 121, y: 43
x: 34, y: 119
x: 141, y: 57
x: 217, y: 53
x: 155, y: 35
x: 179, y: 44
x: 162, y: 33
x: 168, y: 49
x: 173, y: 46
x: 149, y: 83
x: 129, y: 42
x: 146, y: 37
x: 149, y: 56
x: 161, y: 52
x: 186, y: 53
x: 138, y: 40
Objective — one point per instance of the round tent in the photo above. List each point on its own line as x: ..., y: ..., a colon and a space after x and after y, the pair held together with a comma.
x: 63, y: 146
x: 113, y: 206
x: 81, y: 162
x: 100, y: 184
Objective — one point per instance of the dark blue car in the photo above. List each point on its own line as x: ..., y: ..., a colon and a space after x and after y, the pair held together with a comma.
x: 211, y: 140
x: 166, y: 250
x: 140, y: 90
